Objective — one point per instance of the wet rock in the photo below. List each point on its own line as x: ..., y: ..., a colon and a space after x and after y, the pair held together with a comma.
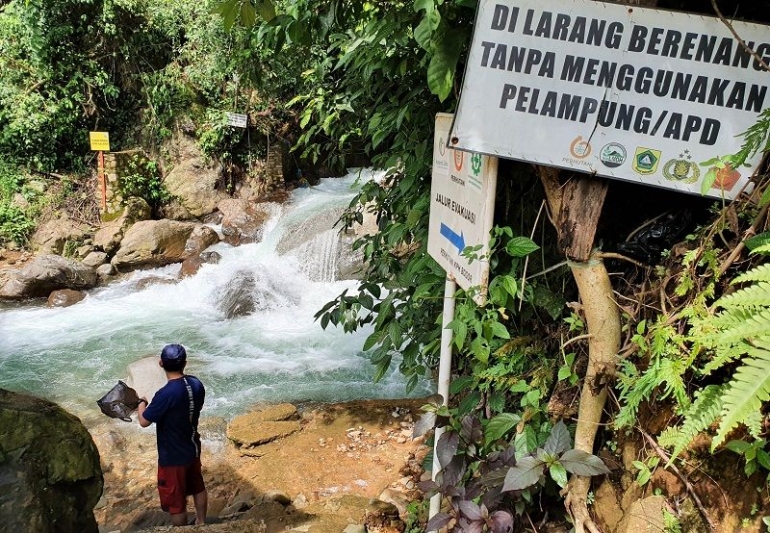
x: 65, y: 298
x: 243, y: 221
x: 260, y: 427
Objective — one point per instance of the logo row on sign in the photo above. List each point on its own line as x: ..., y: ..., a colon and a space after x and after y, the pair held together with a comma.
x: 646, y: 161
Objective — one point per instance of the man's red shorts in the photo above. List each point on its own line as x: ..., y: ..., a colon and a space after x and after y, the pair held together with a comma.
x: 175, y: 483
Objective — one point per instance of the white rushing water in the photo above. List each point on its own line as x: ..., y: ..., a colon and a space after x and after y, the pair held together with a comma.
x: 277, y: 353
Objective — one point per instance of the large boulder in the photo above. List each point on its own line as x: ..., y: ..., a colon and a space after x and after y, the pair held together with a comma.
x: 243, y: 221
x: 110, y: 234
x: 44, y: 274
x: 192, y: 182
x: 52, y: 236
x: 50, y: 478
x: 154, y: 243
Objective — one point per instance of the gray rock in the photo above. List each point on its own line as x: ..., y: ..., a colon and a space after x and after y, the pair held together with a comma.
x: 110, y: 234
x: 52, y: 236
x: 44, y: 274
x: 94, y: 259
x: 153, y: 243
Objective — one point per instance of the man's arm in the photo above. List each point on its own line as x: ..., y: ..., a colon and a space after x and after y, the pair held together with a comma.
x: 140, y: 411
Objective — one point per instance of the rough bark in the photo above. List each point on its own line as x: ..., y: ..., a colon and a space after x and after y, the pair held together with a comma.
x: 575, y: 206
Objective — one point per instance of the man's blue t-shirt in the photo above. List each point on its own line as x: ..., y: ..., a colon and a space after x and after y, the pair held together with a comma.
x: 176, y: 420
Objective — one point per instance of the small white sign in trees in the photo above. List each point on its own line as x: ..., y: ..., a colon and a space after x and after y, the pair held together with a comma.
x: 461, y: 210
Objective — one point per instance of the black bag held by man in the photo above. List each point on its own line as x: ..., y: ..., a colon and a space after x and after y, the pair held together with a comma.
x: 120, y: 402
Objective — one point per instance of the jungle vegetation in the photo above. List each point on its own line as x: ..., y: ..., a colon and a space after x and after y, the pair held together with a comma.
x: 359, y: 82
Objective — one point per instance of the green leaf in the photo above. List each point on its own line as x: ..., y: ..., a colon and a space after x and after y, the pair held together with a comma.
x: 469, y: 403
x: 266, y: 10
x: 583, y: 464
x: 427, y: 5
x: 525, y: 442
x: 229, y: 11
x: 526, y: 473
x: 424, y: 31
x: 499, y: 330
x: 520, y: 247
x: 708, y: 180
x: 758, y: 240
x: 500, y: 425
x: 441, y: 69
x: 510, y: 285
x: 248, y: 14
x: 558, y: 474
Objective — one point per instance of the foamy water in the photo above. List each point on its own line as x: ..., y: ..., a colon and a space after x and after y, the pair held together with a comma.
x: 74, y: 355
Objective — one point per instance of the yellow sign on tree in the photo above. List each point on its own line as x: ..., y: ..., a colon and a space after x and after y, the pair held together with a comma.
x: 100, y: 141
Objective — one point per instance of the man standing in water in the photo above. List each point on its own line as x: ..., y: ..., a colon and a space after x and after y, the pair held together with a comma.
x: 175, y: 410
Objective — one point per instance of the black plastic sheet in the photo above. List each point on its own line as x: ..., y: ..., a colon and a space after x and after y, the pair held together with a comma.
x: 120, y: 402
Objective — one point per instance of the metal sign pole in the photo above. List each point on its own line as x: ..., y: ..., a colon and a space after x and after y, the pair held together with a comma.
x: 444, y: 375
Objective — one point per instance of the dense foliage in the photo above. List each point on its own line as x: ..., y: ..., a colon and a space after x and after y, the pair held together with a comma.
x: 348, y: 81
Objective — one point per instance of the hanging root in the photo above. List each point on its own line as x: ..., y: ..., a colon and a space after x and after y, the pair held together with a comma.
x: 603, y: 325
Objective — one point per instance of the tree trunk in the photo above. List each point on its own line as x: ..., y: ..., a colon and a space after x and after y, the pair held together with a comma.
x: 575, y: 209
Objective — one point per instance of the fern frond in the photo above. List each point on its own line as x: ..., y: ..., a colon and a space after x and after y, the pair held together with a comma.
x: 763, y: 249
x: 759, y: 273
x: 753, y: 295
x: 745, y: 393
x: 725, y: 355
x: 701, y: 414
x: 739, y: 324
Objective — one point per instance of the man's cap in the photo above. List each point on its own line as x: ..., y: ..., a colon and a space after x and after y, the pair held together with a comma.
x: 173, y: 352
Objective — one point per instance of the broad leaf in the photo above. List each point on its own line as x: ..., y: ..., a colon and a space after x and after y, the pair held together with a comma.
x: 248, y: 14
x: 229, y: 11
x: 525, y: 474
x: 424, y: 31
x: 520, y: 247
x: 427, y: 5
x: 266, y: 10
x: 470, y: 509
x: 438, y: 522
x: 525, y: 442
x: 558, y: 474
x: 500, y: 425
x: 446, y: 447
x: 442, y: 66
x: 583, y: 464
x: 559, y: 441
x: 424, y: 424
x: 499, y: 330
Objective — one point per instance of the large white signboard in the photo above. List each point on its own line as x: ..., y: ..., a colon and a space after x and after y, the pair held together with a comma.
x: 461, y: 209
x: 638, y: 94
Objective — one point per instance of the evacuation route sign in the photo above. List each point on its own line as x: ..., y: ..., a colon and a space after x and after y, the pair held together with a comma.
x: 461, y: 210
x: 643, y: 95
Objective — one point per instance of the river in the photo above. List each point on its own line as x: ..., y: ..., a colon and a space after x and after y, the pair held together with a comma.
x: 277, y: 353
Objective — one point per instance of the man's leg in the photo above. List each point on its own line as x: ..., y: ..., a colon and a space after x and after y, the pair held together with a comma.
x: 179, y: 519
x: 201, y: 506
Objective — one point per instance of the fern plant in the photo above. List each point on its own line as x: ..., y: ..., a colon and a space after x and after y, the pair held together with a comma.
x: 737, y: 332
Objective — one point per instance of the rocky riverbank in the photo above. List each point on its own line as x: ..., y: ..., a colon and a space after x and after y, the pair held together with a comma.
x: 343, y: 467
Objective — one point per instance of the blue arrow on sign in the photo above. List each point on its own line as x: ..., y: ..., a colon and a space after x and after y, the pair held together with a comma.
x: 454, y: 238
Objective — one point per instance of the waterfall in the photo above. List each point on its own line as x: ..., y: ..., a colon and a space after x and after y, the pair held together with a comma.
x: 247, y: 322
